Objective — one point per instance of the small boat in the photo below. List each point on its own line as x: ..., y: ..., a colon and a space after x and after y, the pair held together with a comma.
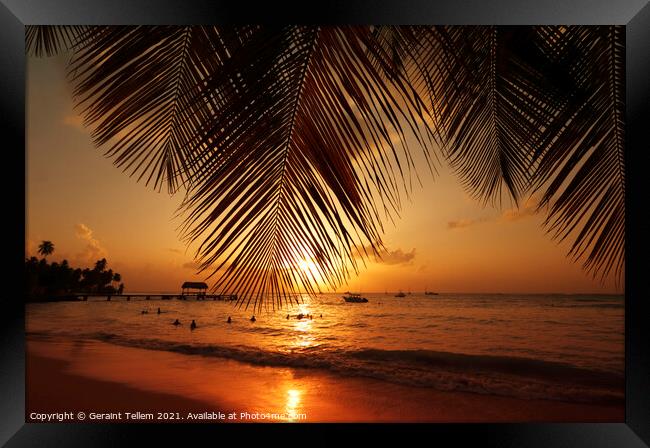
x: 354, y: 298
x: 430, y: 293
x: 400, y: 294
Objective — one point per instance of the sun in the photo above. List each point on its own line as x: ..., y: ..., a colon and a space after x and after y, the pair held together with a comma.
x: 310, y: 269
x: 307, y: 266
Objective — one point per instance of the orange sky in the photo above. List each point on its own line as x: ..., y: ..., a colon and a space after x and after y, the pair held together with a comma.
x: 444, y: 241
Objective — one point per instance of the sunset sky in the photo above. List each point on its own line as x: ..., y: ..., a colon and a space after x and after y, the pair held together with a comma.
x: 444, y: 241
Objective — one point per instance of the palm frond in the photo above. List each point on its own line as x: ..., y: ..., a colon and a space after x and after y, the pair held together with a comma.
x: 290, y: 143
x: 303, y: 148
x: 581, y: 169
x: 485, y: 84
x: 49, y: 40
x: 537, y: 108
x: 132, y: 86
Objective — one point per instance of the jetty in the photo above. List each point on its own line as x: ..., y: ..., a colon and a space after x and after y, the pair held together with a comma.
x: 154, y: 296
x: 189, y: 290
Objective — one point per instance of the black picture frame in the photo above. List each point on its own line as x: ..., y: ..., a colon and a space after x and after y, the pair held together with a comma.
x: 634, y: 14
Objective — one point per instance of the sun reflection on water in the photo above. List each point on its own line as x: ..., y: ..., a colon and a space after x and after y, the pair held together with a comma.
x: 303, y: 327
x: 293, y: 403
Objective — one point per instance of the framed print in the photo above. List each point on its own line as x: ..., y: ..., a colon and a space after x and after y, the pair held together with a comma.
x: 420, y: 218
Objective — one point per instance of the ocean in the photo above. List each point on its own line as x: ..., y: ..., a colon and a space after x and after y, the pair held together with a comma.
x: 551, y: 346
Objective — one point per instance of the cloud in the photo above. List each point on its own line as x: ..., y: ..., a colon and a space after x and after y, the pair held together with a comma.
x: 528, y: 209
x: 93, y: 250
x: 74, y: 121
x: 191, y: 265
x: 391, y: 257
x: 461, y: 223
x: 398, y: 256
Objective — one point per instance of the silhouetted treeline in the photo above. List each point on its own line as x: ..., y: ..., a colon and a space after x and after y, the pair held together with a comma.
x: 57, y: 280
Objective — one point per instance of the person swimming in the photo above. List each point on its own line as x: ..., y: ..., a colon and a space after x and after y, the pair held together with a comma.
x: 158, y: 310
x: 229, y: 320
x: 253, y: 319
x: 321, y: 315
x: 145, y: 312
x: 287, y: 317
x: 176, y: 322
x: 192, y: 325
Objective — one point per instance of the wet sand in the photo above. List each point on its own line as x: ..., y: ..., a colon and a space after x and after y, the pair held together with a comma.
x: 91, y: 376
x: 54, y: 390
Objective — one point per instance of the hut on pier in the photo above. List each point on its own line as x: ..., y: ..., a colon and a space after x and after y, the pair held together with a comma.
x: 194, y: 288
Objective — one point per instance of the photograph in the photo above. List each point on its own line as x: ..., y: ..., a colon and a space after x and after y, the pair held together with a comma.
x: 325, y: 224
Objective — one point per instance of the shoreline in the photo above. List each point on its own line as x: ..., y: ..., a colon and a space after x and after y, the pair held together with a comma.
x: 82, y: 375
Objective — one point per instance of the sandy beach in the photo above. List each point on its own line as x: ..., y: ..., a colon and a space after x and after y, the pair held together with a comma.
x: 91, y: 376
x: 325, y: 224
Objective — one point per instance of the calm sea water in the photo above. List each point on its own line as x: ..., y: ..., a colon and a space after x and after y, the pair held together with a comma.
x: 561, y: 347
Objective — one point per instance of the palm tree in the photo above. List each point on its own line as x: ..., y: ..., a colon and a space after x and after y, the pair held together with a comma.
x: 100, y: 265
x: 46, y: 248
x: 291, y: 143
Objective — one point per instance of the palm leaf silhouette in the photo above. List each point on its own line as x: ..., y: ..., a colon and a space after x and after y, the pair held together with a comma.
x: 132, y: 86
x: 489, y: 92
x: 535, y: 109
x: 299, y: 176
x: 48, y: 40
x: 291, y: 143
x: 581, y: 169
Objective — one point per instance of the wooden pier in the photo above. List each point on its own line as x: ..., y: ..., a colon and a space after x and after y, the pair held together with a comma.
x: 198, y: 297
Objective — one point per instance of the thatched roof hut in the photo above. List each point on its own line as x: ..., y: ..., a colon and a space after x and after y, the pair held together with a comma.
x: 200, y: 286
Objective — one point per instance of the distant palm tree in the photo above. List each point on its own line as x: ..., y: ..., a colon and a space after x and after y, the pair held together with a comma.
x: 291, y: 143
x: 46, y: 248
x: 100, y: 265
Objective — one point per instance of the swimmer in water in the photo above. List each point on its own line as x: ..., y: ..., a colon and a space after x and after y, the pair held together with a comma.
x: 176, y: 322
x: 192, y: 325
x: 158, y: 310
x: 253, y: 319
x: 229, y: 320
